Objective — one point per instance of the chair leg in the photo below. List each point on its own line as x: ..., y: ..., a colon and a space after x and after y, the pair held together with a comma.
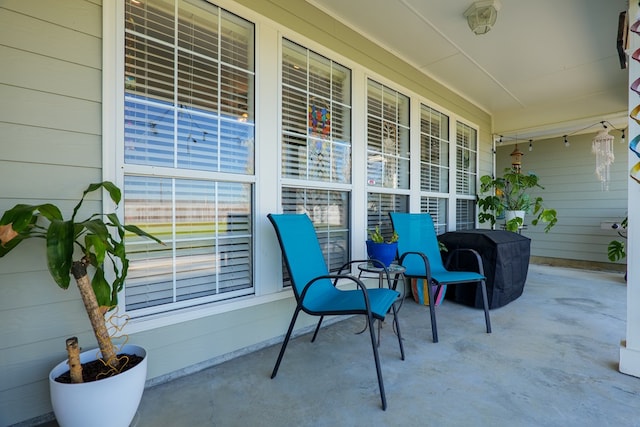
x: 395, y: 320
x: 374, y: 345
x: 432, y: 312
x: 285, y: 342
x: 485, y: 302
x: 315, y: 333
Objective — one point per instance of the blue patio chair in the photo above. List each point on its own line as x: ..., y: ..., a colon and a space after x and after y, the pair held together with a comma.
x: 419, y: 253
x: 315, y: 288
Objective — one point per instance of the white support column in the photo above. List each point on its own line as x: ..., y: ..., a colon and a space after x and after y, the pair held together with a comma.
x: 630, y: 347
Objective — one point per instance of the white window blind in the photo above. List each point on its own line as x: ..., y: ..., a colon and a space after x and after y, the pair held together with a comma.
x: 387, y: 137
x: 465, y: 214
x: 466, y: 175
x: 316, y: 116
x: 316, y: 146
x: 437, y: 207
x: 189, y: 109
x: 466, y: 159
x: 434, y: 150
x: 329, y: 213
x: 378, y: 207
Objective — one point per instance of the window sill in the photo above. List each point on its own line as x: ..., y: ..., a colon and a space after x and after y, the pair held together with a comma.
x: 160, y: 320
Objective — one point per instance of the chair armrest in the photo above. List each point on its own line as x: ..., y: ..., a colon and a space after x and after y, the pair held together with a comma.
x: 335, y: 278
x: 475, y: 253
x: 425, y: 260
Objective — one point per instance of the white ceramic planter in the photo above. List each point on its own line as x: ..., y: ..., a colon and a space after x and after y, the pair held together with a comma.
x: 110, y: 402
x: 509, y: 215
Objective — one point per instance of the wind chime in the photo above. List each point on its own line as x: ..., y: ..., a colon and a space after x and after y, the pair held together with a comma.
x: 602, y: 147
x: 516, y: 160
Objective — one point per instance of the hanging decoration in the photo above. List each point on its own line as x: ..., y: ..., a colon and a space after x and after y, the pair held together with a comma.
x: 319, y: 120
x: 319, y: 143
x: 516, y: 159
x: 602, y: 147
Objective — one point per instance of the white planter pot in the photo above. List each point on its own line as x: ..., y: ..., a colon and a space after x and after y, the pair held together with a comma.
x: 509, y: 215
x: 110, y: 402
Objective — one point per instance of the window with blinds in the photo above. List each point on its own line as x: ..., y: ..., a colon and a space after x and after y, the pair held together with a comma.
x: 188, y: 155
x: 466, y: 175
x: 465, y: 214
x: 316, y: 116
x: 434, y: 150
x: 437, y: 207
x: 387, y: 155
x: 466, y: 159
x: 387, y: 137
x: 378, y: 207
x: 316, y: 146
x: 329, y: 212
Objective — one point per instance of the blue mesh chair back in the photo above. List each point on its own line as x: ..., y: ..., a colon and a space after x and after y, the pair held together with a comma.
x: 304, y: 260
x: 417, y: 234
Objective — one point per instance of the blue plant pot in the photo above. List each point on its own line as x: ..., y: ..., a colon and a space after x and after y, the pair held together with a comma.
x: 383, y: 252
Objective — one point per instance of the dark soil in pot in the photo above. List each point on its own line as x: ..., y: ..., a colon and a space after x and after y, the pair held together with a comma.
x: 97, y: 370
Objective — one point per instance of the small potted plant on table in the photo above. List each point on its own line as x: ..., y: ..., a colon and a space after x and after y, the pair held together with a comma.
x: 380, y: 249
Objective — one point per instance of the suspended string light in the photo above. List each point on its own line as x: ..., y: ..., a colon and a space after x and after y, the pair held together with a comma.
x: 565, y: 137
x: 601, y: 146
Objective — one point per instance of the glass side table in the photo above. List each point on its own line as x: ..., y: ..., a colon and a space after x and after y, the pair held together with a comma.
x: 395, y: 270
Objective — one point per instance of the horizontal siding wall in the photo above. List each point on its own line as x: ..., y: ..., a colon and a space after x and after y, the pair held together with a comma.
x: 572, y: 188
x: 50, y: 122
x: 50, y: 126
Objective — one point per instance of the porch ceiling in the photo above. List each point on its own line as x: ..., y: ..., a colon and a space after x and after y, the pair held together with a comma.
x: 544, y: 64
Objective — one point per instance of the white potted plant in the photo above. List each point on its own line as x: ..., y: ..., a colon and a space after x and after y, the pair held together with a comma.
x: 508, y: 195
x: 97, y: 240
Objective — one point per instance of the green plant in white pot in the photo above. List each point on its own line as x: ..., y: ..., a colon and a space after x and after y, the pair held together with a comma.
x: 98, y: 241
x: 510, y: 193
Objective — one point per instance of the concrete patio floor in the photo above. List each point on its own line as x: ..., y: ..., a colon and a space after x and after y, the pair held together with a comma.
x: 552, y: 360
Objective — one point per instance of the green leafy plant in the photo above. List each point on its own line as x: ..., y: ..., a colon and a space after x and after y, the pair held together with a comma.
x: 99, y: 238
x: 510, y: 192
x: 616, y: 250
x: 377, y: 237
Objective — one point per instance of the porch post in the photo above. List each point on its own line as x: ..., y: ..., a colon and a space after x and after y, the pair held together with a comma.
x: 630, y: 347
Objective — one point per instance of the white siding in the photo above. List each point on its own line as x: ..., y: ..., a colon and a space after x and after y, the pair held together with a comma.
x: 50, y: 126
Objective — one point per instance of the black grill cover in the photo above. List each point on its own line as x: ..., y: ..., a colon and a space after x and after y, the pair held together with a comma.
x: 506, y: 262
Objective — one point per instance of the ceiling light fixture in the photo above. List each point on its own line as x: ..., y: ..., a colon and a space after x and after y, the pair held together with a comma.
x: 481, y: 15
